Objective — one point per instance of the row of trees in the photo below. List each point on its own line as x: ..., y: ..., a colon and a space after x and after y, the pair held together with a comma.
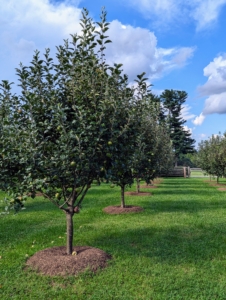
x: 77, y: 119
x: 211, y: 156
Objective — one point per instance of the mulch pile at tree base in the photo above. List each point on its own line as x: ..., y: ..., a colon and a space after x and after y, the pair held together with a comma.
x: 114, y: 210
x: 55, y: 261
x: 148, y: 186
x: 138, y: 194
x: 158, y: 181
x: 222, y: 186
x: 39, y: 195
x: 216, y: 184
x: 213, y: 182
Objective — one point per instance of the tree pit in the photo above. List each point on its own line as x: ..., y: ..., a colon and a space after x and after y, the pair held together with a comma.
x: 115, y: 210
x: 55, y: 261
x: 138, y: 193
x: 148, y: 186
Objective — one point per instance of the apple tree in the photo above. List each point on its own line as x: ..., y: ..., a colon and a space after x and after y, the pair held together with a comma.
x: 124, y: 144
x: 62, y: 131
x: 211, y: 156
x: 153, y: 155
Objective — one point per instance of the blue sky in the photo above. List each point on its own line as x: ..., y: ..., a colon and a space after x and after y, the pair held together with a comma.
x: 179, y: 44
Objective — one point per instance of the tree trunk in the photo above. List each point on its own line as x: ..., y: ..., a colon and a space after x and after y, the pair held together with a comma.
x: 138, y: 185
x: 123, y: 196
x: 217, y: 179
x: 69, y: 217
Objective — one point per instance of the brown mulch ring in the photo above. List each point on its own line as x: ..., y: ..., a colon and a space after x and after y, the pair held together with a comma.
x: 114, y: 210
x: 137, y: 194
x: 38, y: 194
x: 148, y: 186
x: 214, y: 183
x: 55, y: 261
x: 221, y: 186
x: 158, y: 181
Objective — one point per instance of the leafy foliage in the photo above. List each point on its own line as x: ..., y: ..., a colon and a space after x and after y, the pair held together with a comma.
x: 211, y: 156
x: 181, y: 139
x: 75, y: 121
x: 153, y: 153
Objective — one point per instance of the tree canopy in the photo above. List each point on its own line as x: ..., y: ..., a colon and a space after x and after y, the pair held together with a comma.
x: 182, y: 142
x: 77, y: 119
x: 211, y: 155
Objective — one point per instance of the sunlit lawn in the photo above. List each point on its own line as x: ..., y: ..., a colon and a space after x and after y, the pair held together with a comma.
x: 174, y: 249
x: 197, y: 173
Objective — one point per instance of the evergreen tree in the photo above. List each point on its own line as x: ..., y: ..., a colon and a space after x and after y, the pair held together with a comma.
x: 172, y: 101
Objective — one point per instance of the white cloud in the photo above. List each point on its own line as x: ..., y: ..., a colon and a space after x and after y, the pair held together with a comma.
x: 207, y: 12
x: 157, y: 92
x: 215, y: 87
x: 181, y: 57
x: 215, y: 104
x: 166, y: 7
x: 216, y: 73
x: 137, y: 49
x: 199, y: 119
x: 187, y: 129
x: 185, y: 113
x: 41, y: 16
x: 27, y: 25
x: 162, y: 12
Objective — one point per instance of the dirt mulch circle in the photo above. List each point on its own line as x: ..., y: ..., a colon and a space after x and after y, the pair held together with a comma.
x: 148, y: 186
x: 55, y: 261
x: 114, y: 210
x: 213, y: 182
x: 137, y: 194
x: 158, y: 181
x: 222, y: 186
x: 39, y: 195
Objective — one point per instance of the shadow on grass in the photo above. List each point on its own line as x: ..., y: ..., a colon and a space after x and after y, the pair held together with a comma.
x: 189, y: 206
x: 188, y: 191
x: 191, y: 188
x: 173, y: 245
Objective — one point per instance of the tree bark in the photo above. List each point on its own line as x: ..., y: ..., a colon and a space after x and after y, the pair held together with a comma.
x: 70, y: 232
x: 123, y: 196
x: 138, y: 185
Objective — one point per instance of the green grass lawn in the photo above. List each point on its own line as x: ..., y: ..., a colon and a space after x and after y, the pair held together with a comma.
x: 174, y: 249
x: 196, y: 173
